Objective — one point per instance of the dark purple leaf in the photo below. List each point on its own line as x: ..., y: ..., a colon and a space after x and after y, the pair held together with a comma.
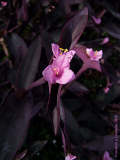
x: 101, y: 144
x: 36, y: 147
x: 21, y: 155
x: 103, y: 99
x: 56, y: 112
x: 46, y: 42
x: 22, y: 13
x: 112, y: 29
x: 17, y: 47
x: 77, y: 88
x: 111, y: 9
x: 63, y: 140
x: 73, y: 29
x: 15, y: 116
x: 37, y: 83
x: 29, y: 65
x: 76, y: 133
x: 56, y: 119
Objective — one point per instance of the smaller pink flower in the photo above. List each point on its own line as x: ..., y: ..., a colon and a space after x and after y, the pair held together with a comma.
x: 70, y: 157
x: 3, y: 3
x: 59, y: 71
x: 106, y: 90
x: 96, y: 20
x: 105, y: 40
x: 107, y: 156
x: 94, y: 55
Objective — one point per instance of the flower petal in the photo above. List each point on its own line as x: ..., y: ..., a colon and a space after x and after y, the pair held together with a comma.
x: 100, y: 53
x: 105, y: 40
x: 48, y: 74
x: 70, y: 157
x: 67, y: 76
x: 88, y: 51
x: 55, y: 49
x: 61, y: 62
x: 106, y: 156
x: 96, y: 20
x: 70, y: 55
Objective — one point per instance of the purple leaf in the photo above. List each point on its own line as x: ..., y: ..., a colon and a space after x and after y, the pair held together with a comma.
x: 101, y: 144
x: 56, y: 119
x: 75, y: 132
x: 113, y: 30
x: 21, y: 155
x: 64, y: 142
x: 103, y: 99
x: 77, y: 88
x: 37, y: 83
x: 56, y: 112
x: 17, y: 47
x: 73, y: 29
x: 29, y: 65
x: 22, y: 12
x: 15, y: 116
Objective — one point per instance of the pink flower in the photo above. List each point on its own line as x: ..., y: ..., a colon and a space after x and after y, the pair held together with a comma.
x: 105, y: 40
x: 94, y: 55
x: 106, y: 156
x: 70, y: 157
x: 3, y: 3
x: 106, y: 90
x: 59, y: 71
x: 96, y: 20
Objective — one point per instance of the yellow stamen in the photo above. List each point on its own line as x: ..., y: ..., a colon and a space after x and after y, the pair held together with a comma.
x: 96, y: 52
x: 60, y: 53
x: 55, y: 71
x: 63, y: 51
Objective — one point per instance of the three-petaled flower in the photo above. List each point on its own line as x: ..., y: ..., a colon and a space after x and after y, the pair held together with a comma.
x: 59, y: 71
x: 94, y: 55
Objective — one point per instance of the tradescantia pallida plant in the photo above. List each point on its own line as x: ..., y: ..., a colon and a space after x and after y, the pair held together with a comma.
x: 61, y: 63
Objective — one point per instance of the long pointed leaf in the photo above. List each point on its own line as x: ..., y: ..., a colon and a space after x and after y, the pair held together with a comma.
x: 29, y: 65
x: 74, y: 29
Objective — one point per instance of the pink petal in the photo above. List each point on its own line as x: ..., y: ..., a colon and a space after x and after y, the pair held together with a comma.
x: 105, y: 40
x: 100, y: 54
x: 3, y: 3
x: 70, y: 157
x: 55, y: 49
x: 96, y: 20
x: 106, y: 90
x: 62, y: 62
x: 48, y: 74
x: 89, y: 50
x: 106, y: 156
x: 70, y: 54
x: 67, y: 76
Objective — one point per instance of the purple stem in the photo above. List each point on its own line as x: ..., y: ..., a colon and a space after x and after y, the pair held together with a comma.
x: 37, y: 83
